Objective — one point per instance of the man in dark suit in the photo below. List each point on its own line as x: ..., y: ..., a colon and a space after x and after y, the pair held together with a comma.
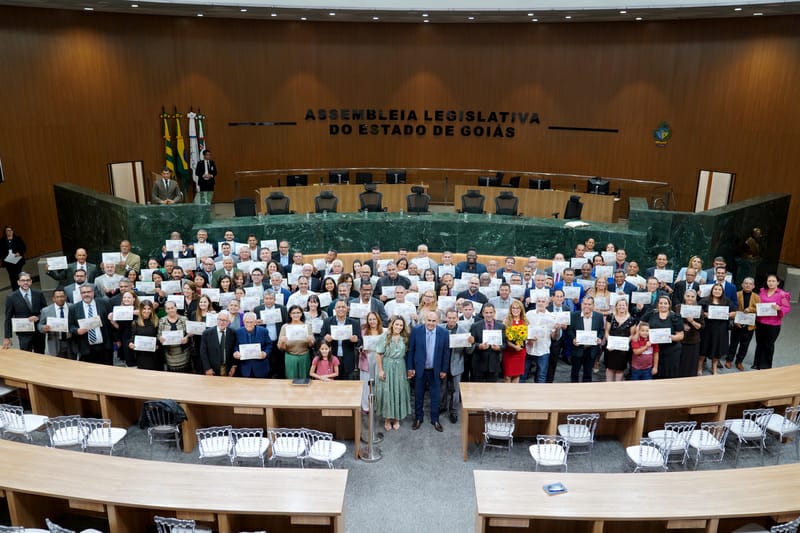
x: 277, y: 364
x: 485, y: 356
x: 620, y: 286
x: 25, y: 303
x: 252, y: 334
x: 345, y: 349
x: 558, y: 347
x: 206, y: 172
x: 428, y: 362
x: 680, y: 288
x: 58, y: 343
x: 471, y: 264
x: 80, y: 263
x: 165, y: 189
x: 73, y: 290
x: 583, y: 354
x: 91, y: 345
x: 283, y: 256
x: 217, y: 346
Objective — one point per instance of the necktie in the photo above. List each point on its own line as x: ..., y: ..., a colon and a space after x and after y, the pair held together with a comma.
x: 222, y: 345
x: 208, y: 167
x: 166, y: 185
x: 28, y: 299
x: 61, y: 315
x: 92, y: 334
x: 430, y: 342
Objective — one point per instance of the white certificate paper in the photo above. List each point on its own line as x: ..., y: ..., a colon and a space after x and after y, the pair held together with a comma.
x: 194, y: 327
x: 211, y: 320
x: 573, y: 293
x: 618, y: 343
x: 493, y: 336
x: 171, y: 287
x: 766, y: 310
x: 172, y: 338
x: 446, y: 302
x: 213, y: 294
x: 643, y: 298
x: 586, y: 337
x: 250, y: 302
x: 147, y: 274
x: 359, y: 310
x: 517, y: 291
x: 58, y: 324
x: 577, y: 262
x: 320, y: 265
x: 203, y: 249
x: 57, y: 263
x: 423, y: 286
x: 341, y: 333
x: 174, y: 245
x: 371, y: 342
x: 249, y: 351
x: 691, y: 311
x: 146, y: 287
x: 604, y: 271
x: 111, y: 257
x: 458, y: 340
x: 271, y: 316
x: 661, y: 336
x: 90, y: 323
x: 665, y: 275
x: 561, y: 317
x: 13, y: 259
x: 144, y: 344
x: 718, y: 312
x: 324, y: 299
x: 447, y: 269
x: 296, y: 332
x: 22, y: 325
x: 271, y: 244
x: 177, y: 299
x: 388, y: 292
x: 539, y: 332
x: 122, y: 312
x: 705, y: 290
x: 188, y: 264
x: 745, y: 319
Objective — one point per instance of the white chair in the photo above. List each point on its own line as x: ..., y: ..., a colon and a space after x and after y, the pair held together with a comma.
x: 55, y: 528
x: 16, y: 423
x: 213, y: 442
x: 709, y: 440
x: 98, y: 433
x: 322, y: 448
x: 783, y: 426
x: 751, y: 430
x: 248, y: 443
x: 579, y: 432
x: 649, y: 455
x: 550, y: 451
x: 677, y: 433
x: 498, y: 425
x: 176, y: 525
x: 287, y: 445
x: 162, y: 425
x: 65, y: 431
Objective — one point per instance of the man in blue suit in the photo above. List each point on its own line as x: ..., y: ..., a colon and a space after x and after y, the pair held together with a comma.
x: 252, y: 334
x: 429, y: 361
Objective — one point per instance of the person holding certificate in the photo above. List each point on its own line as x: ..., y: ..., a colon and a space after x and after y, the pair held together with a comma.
x: 368, y: 356
x: 620, y: 324
x: 488, y: 341
x: 54, y: 322
x: 121, y: 318
x: 692, y: 324
x: 344, y: 335
x: 173, y: 337
x: 662, y: 317
x: 252, y: 348
x: 714, y: 340
x: 768, y: 326
x: 747, y: 302
x: 91, y: 333
x: 585, y: 333
x: 542, y: 332
x: 325, y: 365
x: 23, y: 308
x: 145, y: 325
x: 516, y: 325
x: 392, y: 389
x: 295, y: 339
x: 13, y: 256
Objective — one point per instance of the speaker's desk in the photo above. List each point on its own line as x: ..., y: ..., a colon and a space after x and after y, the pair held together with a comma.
x: 708, y: 501
x: 44, y: 483
x: 627, y: 409
x: 60, y: 387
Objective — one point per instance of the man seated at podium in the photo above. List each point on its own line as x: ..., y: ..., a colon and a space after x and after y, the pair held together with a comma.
x: 165, y: 189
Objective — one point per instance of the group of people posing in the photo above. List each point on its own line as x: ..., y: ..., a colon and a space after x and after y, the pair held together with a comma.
x: 244, y: 309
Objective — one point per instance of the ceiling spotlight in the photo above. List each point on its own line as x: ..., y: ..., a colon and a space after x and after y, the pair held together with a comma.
x: 88, y: 9
x: 758, y: 14
x: 199, y: 14
x: 737, y: 8
x: 134, y: 5
x: 376, y: 18
x: 303, y: 18
x: 534, y: 20
x: 273, y: 14
x: 243, y: 10
x: 568, y: 17
x: 426, y: 21
x: 530, y: 14
x: 424, y: 14
x: 332, y: 14
x: 470, y: 18
x: 622, y: 12
x: 638, y: 18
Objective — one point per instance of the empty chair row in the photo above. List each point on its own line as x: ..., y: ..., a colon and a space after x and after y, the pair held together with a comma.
x: 277, y: 203
x: 343, y: 176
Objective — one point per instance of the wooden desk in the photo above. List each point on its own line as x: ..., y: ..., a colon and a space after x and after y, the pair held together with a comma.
x: 60, y: 386
x: 44, y: 482
x: 627, y: 409
x: 302, y: 198
x: 536, y: 203
x: 709, y: 501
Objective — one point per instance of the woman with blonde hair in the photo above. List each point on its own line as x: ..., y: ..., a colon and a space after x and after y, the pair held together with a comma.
x: 516, y: 324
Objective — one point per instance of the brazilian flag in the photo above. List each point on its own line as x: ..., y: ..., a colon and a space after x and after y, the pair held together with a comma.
x: 182, y: 172
x: 169, y: 157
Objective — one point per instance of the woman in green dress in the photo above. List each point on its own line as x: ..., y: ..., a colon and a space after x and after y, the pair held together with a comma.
x: 296, y: 358
x: 394, y: 397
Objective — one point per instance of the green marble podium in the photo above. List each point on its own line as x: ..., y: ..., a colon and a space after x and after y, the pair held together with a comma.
x: 99, y: 221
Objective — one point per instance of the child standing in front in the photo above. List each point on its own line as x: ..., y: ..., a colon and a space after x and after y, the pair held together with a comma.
x: 644, y: 364
x: 325, y: 365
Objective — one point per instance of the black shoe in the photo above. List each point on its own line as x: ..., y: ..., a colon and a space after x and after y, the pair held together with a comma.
x: 437, y: 426
x: 416, y: 425
x: 453, y: 419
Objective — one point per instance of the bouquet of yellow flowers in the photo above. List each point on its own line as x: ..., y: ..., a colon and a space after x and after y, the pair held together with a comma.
x: 517, y: 334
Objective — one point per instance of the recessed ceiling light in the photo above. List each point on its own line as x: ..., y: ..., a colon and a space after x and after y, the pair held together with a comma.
x: 530, y: 14
x: 134, y: 5
x: 470, y: 18
x: 424, y: 14
x: 243, y: 10
x: 737, y: 8
x: 534, y: 20
x: 638, y: 18
x: 332, y: 14
x: 622, y: 12
x: 426, y: 21
x: 376, y: 18
x: 757, y: 14
x: 303, y: 18
x: 88, y: 9
x: 199, y: 14
x: 273, y: 14
x: 568, y: 17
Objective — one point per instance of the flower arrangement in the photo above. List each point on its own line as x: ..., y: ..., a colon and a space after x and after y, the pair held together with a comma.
x: 517, y: 334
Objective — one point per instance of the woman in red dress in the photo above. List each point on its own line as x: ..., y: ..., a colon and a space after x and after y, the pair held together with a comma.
x: 516, y: 333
